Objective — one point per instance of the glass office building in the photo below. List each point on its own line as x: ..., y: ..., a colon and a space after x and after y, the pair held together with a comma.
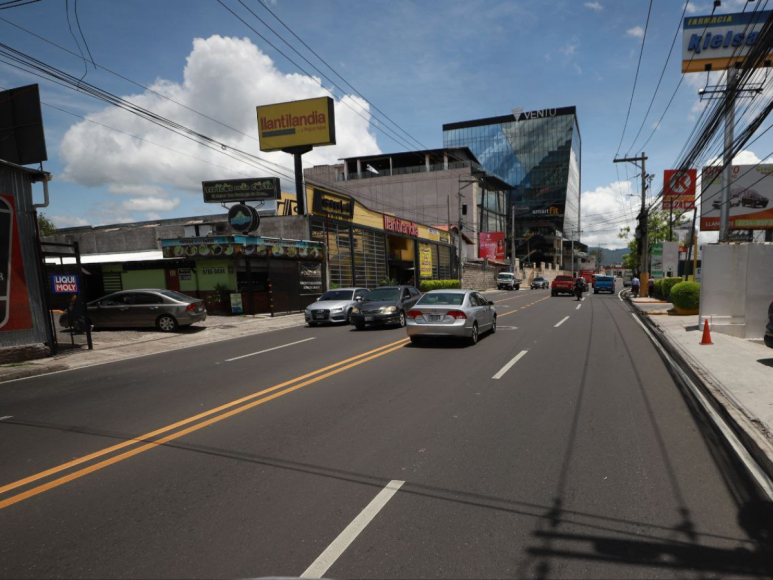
x: 539, y: 154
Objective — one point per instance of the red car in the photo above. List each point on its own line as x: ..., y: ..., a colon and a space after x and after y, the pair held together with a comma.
x: 562, y: 285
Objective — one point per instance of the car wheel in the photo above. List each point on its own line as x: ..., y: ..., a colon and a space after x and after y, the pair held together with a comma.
x: 553, y: 294
x: 359, y: 326
x: 494, y: 325
x: 401, y: 319
x: 416, y: 340
x: 312, y: 323
x: 474, y: 336
x: 166, y: 323
x: 348, y: 316
x: 595, y: 291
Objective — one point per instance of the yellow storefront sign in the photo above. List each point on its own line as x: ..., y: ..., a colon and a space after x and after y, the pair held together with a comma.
x: 296, y: 124
x: 425, y: 260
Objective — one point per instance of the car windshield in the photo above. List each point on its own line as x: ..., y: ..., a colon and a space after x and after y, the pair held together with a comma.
x: 337, y: 295
x: 505, y: 276
x: 176, y: 295
x: 380, y: 294
x: 538, y: 279
x: 441, y: 299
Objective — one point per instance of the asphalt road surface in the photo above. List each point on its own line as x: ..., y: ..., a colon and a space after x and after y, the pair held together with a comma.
x: 559, y: 447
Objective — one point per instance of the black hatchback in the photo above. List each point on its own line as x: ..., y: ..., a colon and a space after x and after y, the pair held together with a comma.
x: 385, y: 305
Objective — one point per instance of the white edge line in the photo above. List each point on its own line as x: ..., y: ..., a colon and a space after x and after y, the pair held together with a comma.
x: 6, y: 417
x: 270, y: 349
x: 107, y: 362
x: 509, y: 365
x: 327, y: 558
x: 560, y: 323
x: 762, y: 478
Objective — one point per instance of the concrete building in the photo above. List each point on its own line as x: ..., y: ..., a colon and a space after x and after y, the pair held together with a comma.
x: 436, y: 187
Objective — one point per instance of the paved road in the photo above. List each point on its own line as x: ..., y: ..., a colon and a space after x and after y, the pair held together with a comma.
x: 356, y: 454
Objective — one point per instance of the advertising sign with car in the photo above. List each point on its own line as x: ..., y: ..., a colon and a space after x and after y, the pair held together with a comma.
x: 491, y: 245
x: 751, y: 197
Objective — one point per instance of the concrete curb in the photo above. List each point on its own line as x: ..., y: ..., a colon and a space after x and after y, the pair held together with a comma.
x: 25, y: 372
x: 753, y: 440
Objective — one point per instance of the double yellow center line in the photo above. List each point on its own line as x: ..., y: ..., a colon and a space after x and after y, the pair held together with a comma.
x: 215, y: 416
x: 522, y: 307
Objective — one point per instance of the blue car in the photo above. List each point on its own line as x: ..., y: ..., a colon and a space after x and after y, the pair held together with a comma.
x: 604, y: 284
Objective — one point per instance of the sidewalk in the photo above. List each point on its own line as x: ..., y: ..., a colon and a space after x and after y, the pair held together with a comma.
x: 115, y: 345
x: 738, y: 373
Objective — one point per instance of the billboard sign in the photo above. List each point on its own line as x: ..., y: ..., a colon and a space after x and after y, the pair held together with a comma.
x: 425, y: 261
x: 296, y: 124
x: 679, y: 189
x: 491, y: 245
x: 720, y: 42
x: 257, y: 189
x: 751, y: 197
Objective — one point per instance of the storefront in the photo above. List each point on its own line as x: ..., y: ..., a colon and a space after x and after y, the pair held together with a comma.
x: 264, y: 274
x: 368, y: 248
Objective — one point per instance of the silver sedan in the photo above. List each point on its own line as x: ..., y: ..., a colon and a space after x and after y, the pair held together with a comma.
x: 456, y: 313
x: 334, y: 306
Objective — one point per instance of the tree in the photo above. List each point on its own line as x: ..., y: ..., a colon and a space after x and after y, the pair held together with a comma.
x: 657, y: 232
x: 45, y: 225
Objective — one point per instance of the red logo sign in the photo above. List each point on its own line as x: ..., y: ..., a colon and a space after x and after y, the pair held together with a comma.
x: 491, y: 245
x: 393, y: 224
x: 679, y: 189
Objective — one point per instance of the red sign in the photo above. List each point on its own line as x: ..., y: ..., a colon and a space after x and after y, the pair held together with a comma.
x: 491, y: 245
x: 393, y: 224
x: 679, y: 189
x: 15, y: 312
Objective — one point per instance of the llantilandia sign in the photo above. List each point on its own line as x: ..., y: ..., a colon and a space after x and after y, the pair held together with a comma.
x: 296, y: 124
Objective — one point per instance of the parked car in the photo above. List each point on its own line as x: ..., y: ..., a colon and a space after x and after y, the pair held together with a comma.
x: 562, y: 285
x: 455, y: 313
x: 334, y: 306
x: 769, y: 327
x: 167, y: 310
x: 751, y: 198
x: 539, y: 283
x: 385, y: 305
x: 604, y: 284
x: 508, y: 281
x: 627, y: 280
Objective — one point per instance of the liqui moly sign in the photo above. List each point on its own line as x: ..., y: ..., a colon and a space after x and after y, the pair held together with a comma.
x: 64, y: 283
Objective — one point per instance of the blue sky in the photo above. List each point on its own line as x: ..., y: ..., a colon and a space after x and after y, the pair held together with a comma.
x: 423, y: 63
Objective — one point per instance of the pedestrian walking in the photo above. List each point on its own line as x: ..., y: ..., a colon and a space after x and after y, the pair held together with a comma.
x: 651, y: 287
x: 635, y: 285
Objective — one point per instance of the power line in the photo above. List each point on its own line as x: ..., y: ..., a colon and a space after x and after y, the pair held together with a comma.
x: 86, y: 44
x: 636, y: 77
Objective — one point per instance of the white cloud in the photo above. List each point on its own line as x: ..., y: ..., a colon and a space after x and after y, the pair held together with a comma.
x: 152, y: 215
x: 636, y: 32
x: 656, y: 125
x: 604, y: 211
x: 136, y: 189
x: 595, y: 5
x: 251, y: 79
x: 68, y: 221
x: 151, y: 204
x: 577, y: 68
x: 693, y: 8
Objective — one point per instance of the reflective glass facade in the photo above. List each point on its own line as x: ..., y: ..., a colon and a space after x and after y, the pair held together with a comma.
x: 539, y: 154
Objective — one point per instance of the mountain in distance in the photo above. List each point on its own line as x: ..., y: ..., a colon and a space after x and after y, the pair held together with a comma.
x: 611, y: 256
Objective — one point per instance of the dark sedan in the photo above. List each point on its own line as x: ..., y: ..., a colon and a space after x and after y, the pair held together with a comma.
x: 769, y: 327
x: 385, y: 305
x: 167, y: 310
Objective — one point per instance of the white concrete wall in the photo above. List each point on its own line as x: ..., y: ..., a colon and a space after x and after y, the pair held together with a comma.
x: 737, y: 288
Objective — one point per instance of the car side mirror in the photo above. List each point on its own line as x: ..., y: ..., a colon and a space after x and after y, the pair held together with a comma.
x: 358, y: 299
x: 490, y: 303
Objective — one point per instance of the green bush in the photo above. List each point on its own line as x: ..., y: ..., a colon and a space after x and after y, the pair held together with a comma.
x: 427, y: 285
x: 686, y: 295
x: 659, y: 288
x: 667, y: 285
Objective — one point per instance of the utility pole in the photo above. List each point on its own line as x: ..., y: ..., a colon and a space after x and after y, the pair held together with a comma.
x: 512, y: 235
x: 643, y: 236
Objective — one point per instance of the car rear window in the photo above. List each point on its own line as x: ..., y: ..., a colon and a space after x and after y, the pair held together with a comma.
x: 605, y: 278
x: 564, y: 278
x: 441, y: 299
x: 177, y: 296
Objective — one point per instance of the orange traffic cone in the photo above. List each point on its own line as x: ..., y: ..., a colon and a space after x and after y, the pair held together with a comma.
x: 706, y: 333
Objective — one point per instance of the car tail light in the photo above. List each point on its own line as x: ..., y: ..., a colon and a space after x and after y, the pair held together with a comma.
x: 191, y: 307
x: 458, y: 314
x: 414, y: 313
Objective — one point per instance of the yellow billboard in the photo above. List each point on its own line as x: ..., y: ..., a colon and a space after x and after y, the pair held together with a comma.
x: 296, y: 124
x: 425, y: 261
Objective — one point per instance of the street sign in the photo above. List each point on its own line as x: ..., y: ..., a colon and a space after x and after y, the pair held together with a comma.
x: 679, y: 189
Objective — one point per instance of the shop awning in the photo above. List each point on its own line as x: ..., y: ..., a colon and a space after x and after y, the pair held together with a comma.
x: 111, y: 258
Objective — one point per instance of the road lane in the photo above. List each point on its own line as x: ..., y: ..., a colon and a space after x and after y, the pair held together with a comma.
x: 503, y: 477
